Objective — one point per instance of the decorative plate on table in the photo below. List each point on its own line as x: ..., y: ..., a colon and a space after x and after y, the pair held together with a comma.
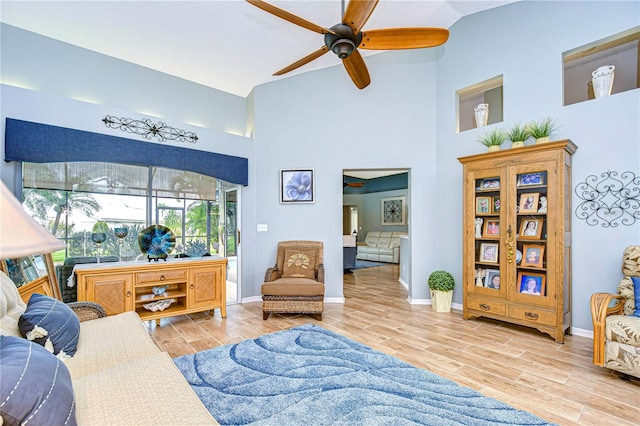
x: 156, y: 242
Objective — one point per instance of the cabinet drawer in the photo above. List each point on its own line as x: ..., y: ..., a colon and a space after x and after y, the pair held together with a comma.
x: 485, y: 305
x: 160, y: 276
x: 528, y: 313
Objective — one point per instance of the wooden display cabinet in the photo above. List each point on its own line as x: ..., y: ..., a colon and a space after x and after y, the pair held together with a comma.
x: 517, y: 236
x: 195, y: 285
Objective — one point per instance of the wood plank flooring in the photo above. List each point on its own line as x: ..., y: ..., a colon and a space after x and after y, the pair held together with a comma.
x: 519, y: 366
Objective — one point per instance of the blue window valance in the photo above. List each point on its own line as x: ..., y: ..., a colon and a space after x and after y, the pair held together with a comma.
x: 43, y: 143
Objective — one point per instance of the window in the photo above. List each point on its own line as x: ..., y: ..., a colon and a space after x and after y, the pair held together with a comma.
x: 73, y: 199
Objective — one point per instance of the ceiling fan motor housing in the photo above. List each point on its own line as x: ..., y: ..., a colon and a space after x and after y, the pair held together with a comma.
x: 343, y: 42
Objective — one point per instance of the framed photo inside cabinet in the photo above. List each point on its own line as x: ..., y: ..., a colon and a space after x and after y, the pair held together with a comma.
x: 532, y: 255
x: 492, y: 279
x: 297, y: 186
x: 491, y: 183
x: 483, y: 205
x: 495, y: 204
x: 529, y: 202
x: 530, y: 179
x: 530, y: 283
x: 491, y: 228
x: 489, y: 252
x: 531, y: 228
x: 393, y: 211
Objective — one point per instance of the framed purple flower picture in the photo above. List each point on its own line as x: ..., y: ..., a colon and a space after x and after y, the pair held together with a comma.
x: 297, y: 186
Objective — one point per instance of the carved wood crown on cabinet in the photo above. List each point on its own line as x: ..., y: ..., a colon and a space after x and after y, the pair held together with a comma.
x: 517, y: 226
x: 194, y: 284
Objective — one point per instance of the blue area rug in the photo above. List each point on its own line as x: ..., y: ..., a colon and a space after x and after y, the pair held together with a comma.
x: 311, y: 376
x: 368, y: 264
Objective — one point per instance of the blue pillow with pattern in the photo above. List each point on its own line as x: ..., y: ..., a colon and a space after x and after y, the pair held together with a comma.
x: 636, y: 293
x: 36, y: 386
x: 52, y: 324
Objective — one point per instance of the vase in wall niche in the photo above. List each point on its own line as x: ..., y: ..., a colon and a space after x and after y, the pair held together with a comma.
x: 602, y: 80
x: 481, y: 112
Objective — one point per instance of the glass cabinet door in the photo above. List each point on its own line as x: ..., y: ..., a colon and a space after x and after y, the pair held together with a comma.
x: 490, y: 227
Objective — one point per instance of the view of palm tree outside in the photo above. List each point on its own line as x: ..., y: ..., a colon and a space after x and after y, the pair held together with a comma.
x: 75, y: 216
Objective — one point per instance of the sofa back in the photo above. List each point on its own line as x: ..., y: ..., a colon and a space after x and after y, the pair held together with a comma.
x: 383, y: 239
x: 11, y: 307
x: 630, y: 268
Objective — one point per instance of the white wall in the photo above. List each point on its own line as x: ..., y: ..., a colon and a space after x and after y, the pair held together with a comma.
x: 404, y: 119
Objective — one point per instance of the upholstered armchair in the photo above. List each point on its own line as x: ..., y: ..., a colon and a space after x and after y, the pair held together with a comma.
x: 295, y: 284
x: 616, y: 330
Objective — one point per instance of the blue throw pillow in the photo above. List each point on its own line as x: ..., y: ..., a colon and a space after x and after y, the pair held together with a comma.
x: 636, y: 293
x: 52, y: 324
x: 36, y: 386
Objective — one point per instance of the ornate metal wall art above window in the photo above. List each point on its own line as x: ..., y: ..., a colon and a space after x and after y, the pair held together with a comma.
x: 147, y: 129
x: 610, y: 200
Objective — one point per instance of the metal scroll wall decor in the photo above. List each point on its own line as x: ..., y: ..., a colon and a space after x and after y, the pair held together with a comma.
x: 609, y: 200
x: 148, y: 130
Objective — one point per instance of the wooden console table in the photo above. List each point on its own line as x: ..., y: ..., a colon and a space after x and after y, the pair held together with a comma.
x: 195, y: 284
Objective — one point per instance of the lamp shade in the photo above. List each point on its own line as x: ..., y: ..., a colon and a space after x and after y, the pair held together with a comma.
x: 20, y: 235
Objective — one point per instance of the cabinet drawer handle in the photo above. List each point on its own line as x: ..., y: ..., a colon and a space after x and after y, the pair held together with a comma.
x: 128, y: 293
x: 531, y: 315
x: 485, y: 307
x: 162, y: 278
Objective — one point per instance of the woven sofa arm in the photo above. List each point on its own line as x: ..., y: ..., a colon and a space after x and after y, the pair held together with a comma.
x: 87, y: 311
x: 600, y: 310
x: 272, y: 274
x: 320, y: 276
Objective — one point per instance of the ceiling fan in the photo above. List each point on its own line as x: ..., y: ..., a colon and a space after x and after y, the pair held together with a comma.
x: 344, y: 39
x: 353, y: 184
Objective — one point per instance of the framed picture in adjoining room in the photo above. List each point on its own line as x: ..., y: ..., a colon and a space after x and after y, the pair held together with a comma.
x: 532, y: 255
x: 491, y: 228
x: 531, y: 228
x: 393, y: 211
x: 297, y: 186
x: 529, y: 202
x: 483, y: 205
x: 531, y: 283
x: 489, y: 252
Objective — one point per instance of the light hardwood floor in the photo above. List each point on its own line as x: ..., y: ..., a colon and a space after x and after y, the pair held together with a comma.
x: 521, y: 367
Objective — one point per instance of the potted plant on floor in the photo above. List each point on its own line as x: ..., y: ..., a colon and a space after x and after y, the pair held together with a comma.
x: 518, y: 134
x: 441, y: 284
x: 493, y: 139
x: 542, y: 129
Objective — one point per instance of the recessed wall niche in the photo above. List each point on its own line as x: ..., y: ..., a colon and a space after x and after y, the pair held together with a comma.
x: 620, y: 50
x: 485, y: 92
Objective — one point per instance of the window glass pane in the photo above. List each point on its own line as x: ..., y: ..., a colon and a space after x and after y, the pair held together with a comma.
x: 181, y: 184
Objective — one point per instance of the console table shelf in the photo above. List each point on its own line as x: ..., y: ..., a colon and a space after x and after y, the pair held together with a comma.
x: 195, y: 284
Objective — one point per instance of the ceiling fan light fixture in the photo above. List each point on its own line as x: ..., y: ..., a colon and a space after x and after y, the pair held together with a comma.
x: 343, y: 47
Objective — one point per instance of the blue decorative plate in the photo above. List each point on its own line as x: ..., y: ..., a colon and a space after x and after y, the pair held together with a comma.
x: 518, y: 256
x: 156, y: 242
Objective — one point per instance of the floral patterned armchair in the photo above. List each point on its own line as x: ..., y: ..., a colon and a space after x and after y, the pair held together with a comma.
x: 616, y: 330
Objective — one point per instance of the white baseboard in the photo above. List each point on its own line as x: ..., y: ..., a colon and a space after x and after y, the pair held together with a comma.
x: 251, y: 299
x: 404, y: 283
x: 582, y: 332
x: 334, y: 300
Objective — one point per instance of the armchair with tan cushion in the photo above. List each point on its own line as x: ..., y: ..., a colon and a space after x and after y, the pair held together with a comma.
x: 295, y: 284
x: 616, y: 320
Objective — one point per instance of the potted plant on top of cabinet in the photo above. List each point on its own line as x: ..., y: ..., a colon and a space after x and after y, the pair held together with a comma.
x: 518, y: 134
x: 441, y: 284
x: 542, y: 129
x: 493, y: 139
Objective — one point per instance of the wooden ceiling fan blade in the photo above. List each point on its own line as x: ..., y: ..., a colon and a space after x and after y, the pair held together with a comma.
x: 357, y: 69
x: 403, y: 38
x: 303, y: 61
x: 288, y: 16
x: 354, y: 184
x: 357, y: 13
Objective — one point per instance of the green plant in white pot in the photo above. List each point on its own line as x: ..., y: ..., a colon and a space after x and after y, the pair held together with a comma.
x: 493, y: 139
x: 441, y: 284
x: 542, y: 129
x: 518, y: 134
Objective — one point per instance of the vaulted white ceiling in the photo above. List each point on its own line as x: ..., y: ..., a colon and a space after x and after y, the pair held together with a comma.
x: 228, y: 45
